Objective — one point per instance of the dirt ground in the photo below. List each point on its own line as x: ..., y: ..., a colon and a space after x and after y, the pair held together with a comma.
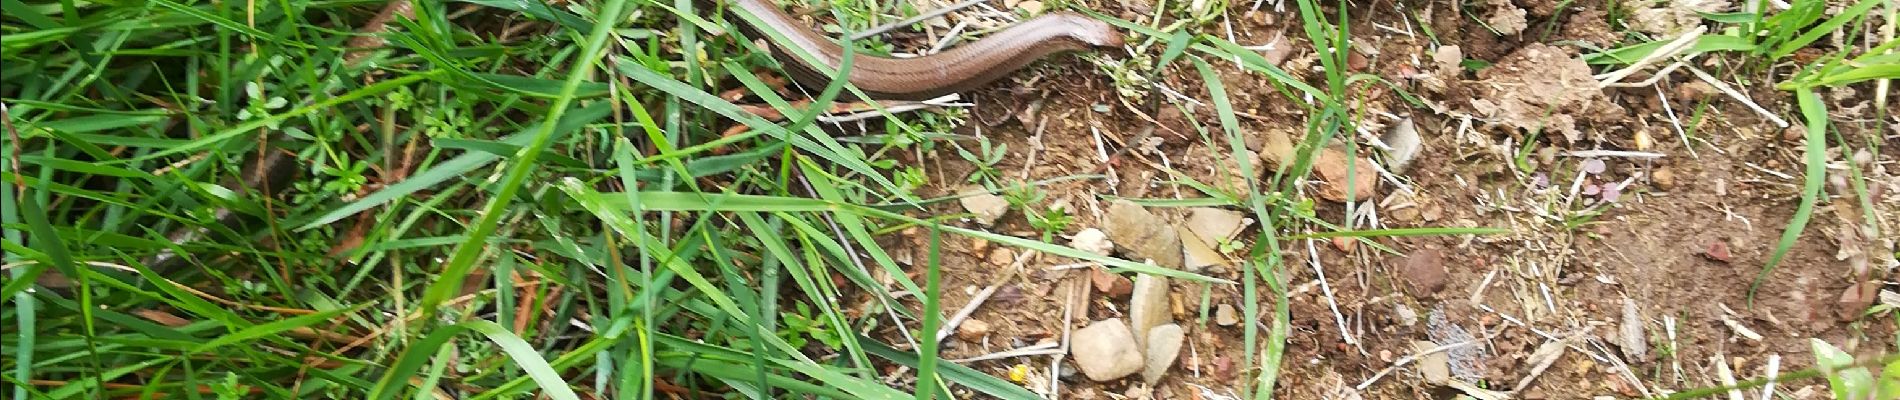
x: 1679, y: 245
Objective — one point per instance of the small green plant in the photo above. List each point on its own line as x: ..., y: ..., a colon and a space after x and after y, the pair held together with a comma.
x: 800, y: 325
x: 1849, y: 381
x: 984, y: 159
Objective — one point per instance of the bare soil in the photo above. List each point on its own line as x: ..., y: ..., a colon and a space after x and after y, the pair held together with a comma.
x: 1560, y: 271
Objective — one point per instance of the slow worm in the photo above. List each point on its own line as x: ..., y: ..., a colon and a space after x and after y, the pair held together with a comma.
x: 959, y: 69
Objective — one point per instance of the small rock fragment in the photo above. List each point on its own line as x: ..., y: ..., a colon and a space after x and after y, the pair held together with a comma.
x: 1148, y: 305
x: 1424, y: 272
x: 1002, y: 257
x: 1541, y: 360
x: 1105, y: 350
x: 1664, y: 178
x: 1404, y: 314
x: 985, y: 207
x: 1405, y: 143
x: 1143, y: 234
x: 1435, y: 366
x: 1164, y: 345
x: 1112, y: 284
x: 1277, y: 147
x: 1855, y: 300
x: 1065, y: 372
x: 973, y: 330
x: 1033, y: 7
x: 1448, y: 58
x: 1634, y: 338
x: 1092, y: 240
x: 1223, y: 367
x: 1225, y: 315
x: 1332, y: 169
x: 1214, y: 225
x: 1718, y: 251
x: 1197, y: 255
x: 1594, y: 166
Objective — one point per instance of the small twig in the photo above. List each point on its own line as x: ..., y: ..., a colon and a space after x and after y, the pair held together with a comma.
x: 1660, y: 74
x: 1774, y: 368
x: 1546, y: 335
x: 1676, y: 122
x: 1414, y: 357
x: 879, y: 30
x: 1036, y: 350
x: 1339, y: 320
x: 1613, y: 153
x: 1777, y: 174
x: 950, y: 37
x: 1738, y: 96
x: 950, y: 325
x: 1728, y: 319
x: 1727, y: 377
x: 1675, y: 46
x: 1068, y: 317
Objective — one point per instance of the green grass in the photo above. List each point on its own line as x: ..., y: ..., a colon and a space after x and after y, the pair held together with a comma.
x: 557, y: 213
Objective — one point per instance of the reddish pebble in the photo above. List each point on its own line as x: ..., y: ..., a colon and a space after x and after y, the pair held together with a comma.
x: 1344, y: 244
x: 1223, y: 368
x: 1718, y: 251
x: 1112, y: 284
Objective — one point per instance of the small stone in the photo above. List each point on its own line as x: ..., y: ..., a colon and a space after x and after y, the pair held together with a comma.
x: 1148, y: 305
x: 1092, y: 240
x: 1332, y: 169
x: 1448, y: 58
x: 1225, y: 315
x: 1664, y: 178
x: 1718, y: 251
x: 1143, y: 234
x: 1164, y: 346
x: 1345, y: 244
x: 1033, y: 7
x: 1594, y: 166
x: 1695, y: 91
x: 1214, y: 225
x: 1002, y: 257
x: 1633, y: 338
x: 1644, y: 140
x: 1794, y: 133
x: 985, y: 207
x: 1405, y: 144
x: 1436, y: 367
x: 1137, y: 392
x: 1196, y: 255
x: 1404, y: 314
x: 1112, y: 284
x: 1855, y: 300
x: 973, y: 330
x: 1105, y: 350
x: 1066, y: 372
x: 1424, y: 272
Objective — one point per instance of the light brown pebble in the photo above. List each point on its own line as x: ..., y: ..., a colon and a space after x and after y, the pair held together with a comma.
x: 1665, y: 179
x: 1002, y: 257
x: 973, y: 330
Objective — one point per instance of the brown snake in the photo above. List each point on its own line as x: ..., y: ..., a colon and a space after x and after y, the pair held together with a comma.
x: 962, y: 68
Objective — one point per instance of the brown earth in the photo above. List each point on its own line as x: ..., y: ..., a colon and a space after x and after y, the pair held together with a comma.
x: 1567, y: 265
